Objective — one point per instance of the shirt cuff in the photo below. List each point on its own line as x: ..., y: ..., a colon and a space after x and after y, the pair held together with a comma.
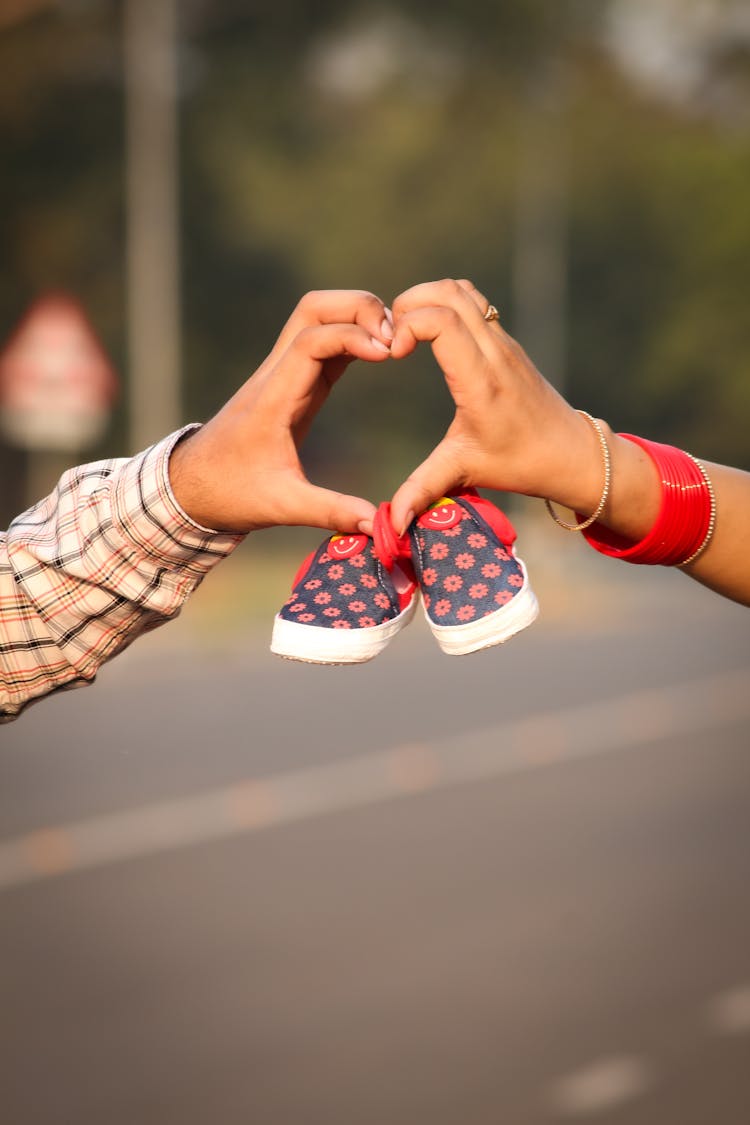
x: 147, y: 514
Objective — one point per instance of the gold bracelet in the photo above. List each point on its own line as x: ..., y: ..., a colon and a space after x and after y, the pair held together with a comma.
x: 607, y: 482
x: 712, y: 518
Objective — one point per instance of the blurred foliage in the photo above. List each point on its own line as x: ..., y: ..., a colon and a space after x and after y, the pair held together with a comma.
x: 332, y: 145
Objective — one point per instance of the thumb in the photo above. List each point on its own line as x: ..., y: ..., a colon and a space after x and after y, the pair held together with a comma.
x: 430, y: 481
x: 335, y: 511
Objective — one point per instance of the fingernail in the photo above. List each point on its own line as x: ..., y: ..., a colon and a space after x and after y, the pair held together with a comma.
x: 365, y: 527
x: 386, y: 328
x: 407, y: 523
x: 380, y: 345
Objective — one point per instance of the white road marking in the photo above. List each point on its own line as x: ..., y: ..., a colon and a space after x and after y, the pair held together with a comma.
x: 603, y: 1085
x: 537, y: 742
x: 729, y: 1012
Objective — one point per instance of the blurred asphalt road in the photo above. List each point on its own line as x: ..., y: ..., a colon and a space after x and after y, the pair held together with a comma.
x: 507, y: 888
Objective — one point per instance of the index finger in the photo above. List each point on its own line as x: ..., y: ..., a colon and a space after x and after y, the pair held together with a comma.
x: 336, y: 306
x: 454, y: 345
x: 298, y: 370
x: 458, y: 295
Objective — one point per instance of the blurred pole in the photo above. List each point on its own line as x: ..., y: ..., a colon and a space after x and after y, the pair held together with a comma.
x: 152, y: 219
x: 539, y: 269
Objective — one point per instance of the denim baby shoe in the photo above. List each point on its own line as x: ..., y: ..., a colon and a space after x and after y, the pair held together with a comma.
x: 475, y: 591
x: 347, y: 603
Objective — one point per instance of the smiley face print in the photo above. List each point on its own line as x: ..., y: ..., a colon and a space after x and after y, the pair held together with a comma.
x: 442, y: 516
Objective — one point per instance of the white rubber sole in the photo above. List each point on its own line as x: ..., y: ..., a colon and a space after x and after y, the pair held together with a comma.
x: 458, y: 640
x: 316, y: 645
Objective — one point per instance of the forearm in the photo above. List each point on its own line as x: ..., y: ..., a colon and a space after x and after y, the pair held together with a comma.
x: 578, y: 479
x: 725, y: 564
x: 635, y: 498
x: 106, y: 557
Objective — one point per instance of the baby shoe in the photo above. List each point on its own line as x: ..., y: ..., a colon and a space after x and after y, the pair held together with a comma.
x: 346, y: 603
x: 475, y: 591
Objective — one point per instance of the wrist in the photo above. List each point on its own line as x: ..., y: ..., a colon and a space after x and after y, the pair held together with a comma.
x: 635, y: 496
x: 147, y: 516
x: 580, y: 473
x: 187, y: 482
x: 624, y: 495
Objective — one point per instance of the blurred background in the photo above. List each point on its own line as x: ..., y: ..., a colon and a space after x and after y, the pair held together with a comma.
x: 510, y: 888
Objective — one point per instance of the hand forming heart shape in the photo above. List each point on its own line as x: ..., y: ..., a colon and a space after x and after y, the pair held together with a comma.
x: 511, y: 429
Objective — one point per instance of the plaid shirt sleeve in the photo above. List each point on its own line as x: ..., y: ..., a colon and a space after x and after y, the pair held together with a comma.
x: 107, y: 556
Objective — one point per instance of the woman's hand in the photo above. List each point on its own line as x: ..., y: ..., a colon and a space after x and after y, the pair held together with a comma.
x: 511, y: 431
x: 242, y: 471
x: 514, y: 432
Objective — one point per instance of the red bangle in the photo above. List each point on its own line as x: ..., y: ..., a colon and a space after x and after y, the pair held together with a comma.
x: 686, y: 519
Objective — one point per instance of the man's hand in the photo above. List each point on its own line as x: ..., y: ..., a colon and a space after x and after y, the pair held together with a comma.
x: 241, y: 471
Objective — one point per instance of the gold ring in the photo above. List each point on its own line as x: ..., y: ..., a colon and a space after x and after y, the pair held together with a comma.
x: 492, y: 313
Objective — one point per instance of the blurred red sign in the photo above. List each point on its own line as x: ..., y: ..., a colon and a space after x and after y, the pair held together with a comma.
x: 57, y: 385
